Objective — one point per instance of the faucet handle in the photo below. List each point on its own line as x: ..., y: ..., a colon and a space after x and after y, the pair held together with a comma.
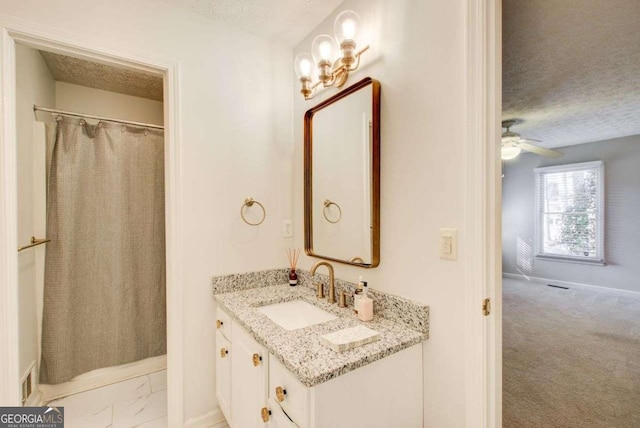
x: 320, y: 290
x: 343, y: 299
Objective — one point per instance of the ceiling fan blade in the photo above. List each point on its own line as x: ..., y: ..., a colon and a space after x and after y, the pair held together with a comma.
x: 532, y: 139
x: 540, y: 150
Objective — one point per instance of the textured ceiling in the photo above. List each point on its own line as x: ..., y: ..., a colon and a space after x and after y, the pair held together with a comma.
x: 286, y: 21
x: 101, y: 76
x: 571, y: 69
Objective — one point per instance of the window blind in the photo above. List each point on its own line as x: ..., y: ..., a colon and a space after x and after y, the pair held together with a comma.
x: 570, y: 212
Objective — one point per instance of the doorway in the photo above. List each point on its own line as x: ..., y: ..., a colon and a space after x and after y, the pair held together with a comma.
x: 571, y: 295
x: 13, y: 34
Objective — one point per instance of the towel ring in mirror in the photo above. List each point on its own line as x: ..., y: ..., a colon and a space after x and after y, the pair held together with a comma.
x: 327, y: 203
x: 248, y: 202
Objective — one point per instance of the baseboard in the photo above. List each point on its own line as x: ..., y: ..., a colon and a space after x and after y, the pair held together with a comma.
x: 564, y: 283
x: 207, y: 420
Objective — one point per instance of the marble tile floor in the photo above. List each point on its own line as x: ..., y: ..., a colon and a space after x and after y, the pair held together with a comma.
x: 140, y: 402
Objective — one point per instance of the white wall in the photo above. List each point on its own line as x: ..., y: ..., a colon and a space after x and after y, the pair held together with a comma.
x: 418, y: 55
x: 81, y: 99
x: 622, y: 222
x: 235, y: 141
x: 34, y: 85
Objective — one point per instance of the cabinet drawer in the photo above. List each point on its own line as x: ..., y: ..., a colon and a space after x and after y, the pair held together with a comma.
x: 287, y: 391
x: 278, y: 418
x: 223, y: 323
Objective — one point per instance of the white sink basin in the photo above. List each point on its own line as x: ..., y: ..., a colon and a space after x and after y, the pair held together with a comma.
x: 295, y: 314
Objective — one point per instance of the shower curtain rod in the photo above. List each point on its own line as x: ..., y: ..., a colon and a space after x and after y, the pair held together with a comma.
x: 88, y: 116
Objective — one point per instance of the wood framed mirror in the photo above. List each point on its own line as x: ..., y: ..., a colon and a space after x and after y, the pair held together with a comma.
x: 342, y: 176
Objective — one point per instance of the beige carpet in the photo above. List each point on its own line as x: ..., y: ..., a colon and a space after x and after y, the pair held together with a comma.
x: 571, y: 358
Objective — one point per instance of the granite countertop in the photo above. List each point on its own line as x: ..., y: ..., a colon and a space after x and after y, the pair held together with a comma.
x: 300, y: 350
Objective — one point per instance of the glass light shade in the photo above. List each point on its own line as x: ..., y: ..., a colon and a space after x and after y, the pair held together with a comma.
x: 509, y: 151
x: 324, y: 47
x: 303, y: 65
x: 346, y: 26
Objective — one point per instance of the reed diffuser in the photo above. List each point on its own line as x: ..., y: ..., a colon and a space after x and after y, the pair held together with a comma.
x: 293, y: 255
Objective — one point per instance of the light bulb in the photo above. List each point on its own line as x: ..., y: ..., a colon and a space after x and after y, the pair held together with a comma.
x: 303, y: 65
x: 349, y: 28
x: 324, y: 48
x: 346, y: 26
x: 509, y: 152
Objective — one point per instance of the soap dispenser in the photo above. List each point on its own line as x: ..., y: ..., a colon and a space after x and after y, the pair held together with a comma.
x: 365, y: 305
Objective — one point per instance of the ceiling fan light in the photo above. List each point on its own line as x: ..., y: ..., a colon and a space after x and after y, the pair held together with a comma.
x: 510, y: 152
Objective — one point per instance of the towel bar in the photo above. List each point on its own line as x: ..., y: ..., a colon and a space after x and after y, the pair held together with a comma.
x: 34, y: 243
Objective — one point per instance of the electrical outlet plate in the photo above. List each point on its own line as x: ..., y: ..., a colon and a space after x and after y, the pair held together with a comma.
x: 448, y: 243
x: 287, y: 229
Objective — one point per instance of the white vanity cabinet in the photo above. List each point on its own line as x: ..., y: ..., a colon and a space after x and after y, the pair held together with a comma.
x: 265, y: 394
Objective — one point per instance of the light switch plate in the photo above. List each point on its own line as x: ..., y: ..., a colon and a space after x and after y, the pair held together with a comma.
x: 448, y: 243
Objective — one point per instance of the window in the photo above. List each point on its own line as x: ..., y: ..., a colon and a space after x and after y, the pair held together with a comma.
x: 570, y: 212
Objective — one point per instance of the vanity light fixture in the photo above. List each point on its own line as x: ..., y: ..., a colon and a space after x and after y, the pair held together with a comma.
x: 332, y: 70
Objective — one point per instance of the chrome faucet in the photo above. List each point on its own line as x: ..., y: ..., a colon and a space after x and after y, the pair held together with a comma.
x: 332, y: 286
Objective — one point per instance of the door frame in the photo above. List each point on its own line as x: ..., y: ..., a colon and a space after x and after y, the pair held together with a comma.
x: 12, y: 31
x: 483, y: 214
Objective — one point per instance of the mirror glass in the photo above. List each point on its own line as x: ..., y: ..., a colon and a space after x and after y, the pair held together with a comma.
x: 342, y: 176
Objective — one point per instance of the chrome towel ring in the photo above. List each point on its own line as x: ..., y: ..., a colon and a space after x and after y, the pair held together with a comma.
x: 327, y: 203
x: 248, y: 202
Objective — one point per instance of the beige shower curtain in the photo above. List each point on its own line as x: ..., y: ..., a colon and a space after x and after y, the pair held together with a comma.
x: 104, y: 295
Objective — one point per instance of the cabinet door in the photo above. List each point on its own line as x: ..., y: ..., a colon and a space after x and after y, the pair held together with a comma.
x: 223, y: 374
x: 249, y: 362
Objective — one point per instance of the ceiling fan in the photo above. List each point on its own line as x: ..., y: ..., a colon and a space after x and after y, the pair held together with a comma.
x: 513, y: 144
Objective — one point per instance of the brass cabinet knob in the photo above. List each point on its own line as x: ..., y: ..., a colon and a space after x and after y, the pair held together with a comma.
x: 256, y: 360
x: 265, y: 414
x: 223, y: 352
x: 219, y: 324
x: 280, y: 393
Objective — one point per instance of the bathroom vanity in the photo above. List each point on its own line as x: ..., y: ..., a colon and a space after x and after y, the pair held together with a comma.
x: 274, y: 371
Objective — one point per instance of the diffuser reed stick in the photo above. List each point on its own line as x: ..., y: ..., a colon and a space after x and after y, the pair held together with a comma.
x: 293, y: 254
